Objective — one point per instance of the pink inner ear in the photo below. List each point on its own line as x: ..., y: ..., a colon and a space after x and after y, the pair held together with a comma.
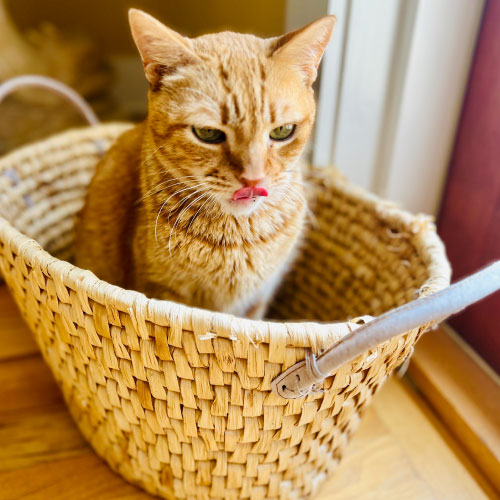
x: 249, y: 192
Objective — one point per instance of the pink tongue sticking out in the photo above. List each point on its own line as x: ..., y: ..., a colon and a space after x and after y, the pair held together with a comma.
x: 249, y: 192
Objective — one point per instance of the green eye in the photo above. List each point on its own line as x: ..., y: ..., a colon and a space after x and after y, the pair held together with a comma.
x: 211, y: 135
x: 282, y: 133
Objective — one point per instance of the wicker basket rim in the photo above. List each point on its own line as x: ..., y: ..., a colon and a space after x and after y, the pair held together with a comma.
x: 167, y: 313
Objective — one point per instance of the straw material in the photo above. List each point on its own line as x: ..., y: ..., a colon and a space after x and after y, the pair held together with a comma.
x: 178, y: 400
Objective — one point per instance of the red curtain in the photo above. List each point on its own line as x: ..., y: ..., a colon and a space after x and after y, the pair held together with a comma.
x: 469, y: 222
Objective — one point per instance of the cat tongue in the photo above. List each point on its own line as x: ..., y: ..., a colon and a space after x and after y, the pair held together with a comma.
x: 248, y: 192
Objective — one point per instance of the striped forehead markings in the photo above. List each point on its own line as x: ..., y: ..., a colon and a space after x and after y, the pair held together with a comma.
x: 258, y: 96
x: 236, y: 106
x: 263, y: 77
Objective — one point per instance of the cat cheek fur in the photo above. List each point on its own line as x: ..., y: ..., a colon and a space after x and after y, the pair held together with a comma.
x: 159, y: 204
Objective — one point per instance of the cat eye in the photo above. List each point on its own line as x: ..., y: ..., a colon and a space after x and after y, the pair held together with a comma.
x: 282, y: 133
x: 210, y: 135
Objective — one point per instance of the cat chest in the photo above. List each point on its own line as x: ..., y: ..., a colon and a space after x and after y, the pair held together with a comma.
x: 230, y: 264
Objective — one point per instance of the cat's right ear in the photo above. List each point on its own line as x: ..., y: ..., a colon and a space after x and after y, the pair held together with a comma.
x: 304, y: 48
x: 162, y: 50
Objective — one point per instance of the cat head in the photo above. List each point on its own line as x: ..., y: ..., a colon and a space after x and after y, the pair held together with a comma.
x: 230, y: 113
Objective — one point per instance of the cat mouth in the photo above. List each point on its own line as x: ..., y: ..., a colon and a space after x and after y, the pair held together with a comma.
x: 249, y: 193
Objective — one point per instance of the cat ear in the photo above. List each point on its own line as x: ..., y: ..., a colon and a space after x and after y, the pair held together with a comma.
x: 304, y: 48
x: 162, y: 49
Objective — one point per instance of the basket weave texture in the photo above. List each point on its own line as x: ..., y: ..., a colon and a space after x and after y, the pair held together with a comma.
x: 178, y: 400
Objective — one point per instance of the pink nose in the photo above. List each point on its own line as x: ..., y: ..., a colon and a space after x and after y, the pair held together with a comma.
x: 251, y: 182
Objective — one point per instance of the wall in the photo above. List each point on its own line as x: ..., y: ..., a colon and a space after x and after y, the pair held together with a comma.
x: 106, y: 20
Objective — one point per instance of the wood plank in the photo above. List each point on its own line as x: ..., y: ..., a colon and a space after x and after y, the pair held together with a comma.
x: 26, y: 384
x: 375, y: 467
x: 15, y: 337
x: 431, y: 450
x: 464, y: 395
x: 79, y: 478
x: 35, y: 425
x: 38, y: 436
x: 401, y: 452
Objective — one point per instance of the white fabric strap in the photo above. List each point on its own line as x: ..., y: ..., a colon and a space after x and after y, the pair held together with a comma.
x: 297, y: 380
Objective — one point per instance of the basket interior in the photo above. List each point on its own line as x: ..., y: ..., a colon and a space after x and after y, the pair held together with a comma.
x: 354, y: 259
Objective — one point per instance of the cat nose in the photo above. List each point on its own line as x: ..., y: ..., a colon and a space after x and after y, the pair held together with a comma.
x: 252, y: 182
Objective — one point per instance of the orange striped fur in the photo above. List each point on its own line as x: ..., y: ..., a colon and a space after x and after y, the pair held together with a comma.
x: 159, y: 215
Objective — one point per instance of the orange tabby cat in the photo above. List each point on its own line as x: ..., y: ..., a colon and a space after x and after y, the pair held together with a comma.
x: 202, y: 203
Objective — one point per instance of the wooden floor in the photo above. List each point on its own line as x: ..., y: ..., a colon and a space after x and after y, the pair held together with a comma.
x: 400, y: 451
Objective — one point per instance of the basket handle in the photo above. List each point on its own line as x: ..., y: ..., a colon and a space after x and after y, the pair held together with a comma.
x: 13, y: 84
x: 299, y: 379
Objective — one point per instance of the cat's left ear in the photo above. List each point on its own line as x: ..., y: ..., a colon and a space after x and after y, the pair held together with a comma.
x: 304, y: 48
x: 162, y: 49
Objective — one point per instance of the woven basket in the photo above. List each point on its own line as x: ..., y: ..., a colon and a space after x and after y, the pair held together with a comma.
x: 178, y: 400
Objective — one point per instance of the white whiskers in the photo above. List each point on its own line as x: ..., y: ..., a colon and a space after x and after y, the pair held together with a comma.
x: 210, y: 198
x: 172, y: 230
x: 180, y: 203
x: 155, y: 190
x: 166, y: 201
